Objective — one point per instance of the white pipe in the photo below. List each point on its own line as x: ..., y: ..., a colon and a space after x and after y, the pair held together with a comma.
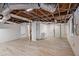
x: 12, y: 15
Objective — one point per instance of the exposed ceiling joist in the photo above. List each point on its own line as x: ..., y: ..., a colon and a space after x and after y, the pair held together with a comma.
x: 44, y: 14
x: 19, y: 17
x: 67, y: 12
x: 16, y: 20
x: 58, y: 10
x: 35, y: 12
x: 62, y: 13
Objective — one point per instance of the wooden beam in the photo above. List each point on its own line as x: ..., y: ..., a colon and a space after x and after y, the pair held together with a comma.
x: 40, y: 17
x: 58, y: 9
x: 44, y: 14
x: 33, y: 16
x: 68, y: 11
x: 19, y: 17
x: 53, y: 14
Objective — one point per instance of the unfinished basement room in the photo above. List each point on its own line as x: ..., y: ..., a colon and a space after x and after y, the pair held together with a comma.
x: 39, y: 29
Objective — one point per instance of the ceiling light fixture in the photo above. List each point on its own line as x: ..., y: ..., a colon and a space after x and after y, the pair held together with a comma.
x: 55, y: 21
x: 29, y: 9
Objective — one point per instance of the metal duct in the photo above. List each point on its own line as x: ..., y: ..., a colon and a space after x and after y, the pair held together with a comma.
x: 3, y: 6
x: 48, y: 6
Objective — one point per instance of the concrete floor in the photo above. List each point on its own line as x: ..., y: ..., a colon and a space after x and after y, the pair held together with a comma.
x: 23, y: 47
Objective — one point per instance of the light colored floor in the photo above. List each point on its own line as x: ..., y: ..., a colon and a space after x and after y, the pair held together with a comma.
x: 23, y: 47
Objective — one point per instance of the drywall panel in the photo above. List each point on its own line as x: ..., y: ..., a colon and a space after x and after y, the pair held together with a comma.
x: 51, y: 31
x: 24, y: 30
x: 48, y: 31
x: 73, y: 39
x: 76, y: 17
x: 57, y: 31
x: 63, y: 30
x: 43, y: 31
x: 9, y: 32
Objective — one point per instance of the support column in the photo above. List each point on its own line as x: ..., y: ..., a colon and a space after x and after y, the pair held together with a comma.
x: 30, y: 27
x: 54, y: 30
x: 33, y: 32
x: 60, y: 30
x: 37, y: 30
x: 73, y: 24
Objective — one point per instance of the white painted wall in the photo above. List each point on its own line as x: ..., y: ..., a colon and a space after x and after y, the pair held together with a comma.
x: 73, y: 38
x: 77, y: 20
x: 47, y: 31
x: 42, y: 30
x: 9, y: 32
x: 25, y: 30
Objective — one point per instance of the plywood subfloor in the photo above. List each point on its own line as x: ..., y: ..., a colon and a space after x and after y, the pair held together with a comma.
x: 23, y: 47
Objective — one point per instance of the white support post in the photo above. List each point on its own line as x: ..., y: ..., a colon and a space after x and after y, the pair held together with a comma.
x: 33, y: 31
x: 37, y: 30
